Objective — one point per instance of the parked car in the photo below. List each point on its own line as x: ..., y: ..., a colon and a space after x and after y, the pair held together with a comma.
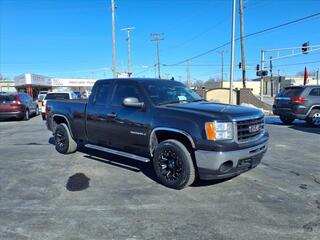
x: 299, y: 102
x: 165, y: 122
x: 55, y: 96
x: 17, y: 105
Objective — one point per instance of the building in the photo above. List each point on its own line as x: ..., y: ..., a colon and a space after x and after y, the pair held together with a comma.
x: 7, y: 86
x: 34, y: 83
x: 253, y: 86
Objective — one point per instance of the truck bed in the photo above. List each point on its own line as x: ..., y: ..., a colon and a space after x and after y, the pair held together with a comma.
x: 74, y: 110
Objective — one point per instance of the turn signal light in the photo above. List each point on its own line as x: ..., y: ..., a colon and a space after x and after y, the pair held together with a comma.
x: 210, y: 131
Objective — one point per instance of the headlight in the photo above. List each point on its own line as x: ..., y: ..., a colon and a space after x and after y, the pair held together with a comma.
x: 219, y: 130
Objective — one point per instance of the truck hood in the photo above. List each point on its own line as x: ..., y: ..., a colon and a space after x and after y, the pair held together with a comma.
x: 218, y: 110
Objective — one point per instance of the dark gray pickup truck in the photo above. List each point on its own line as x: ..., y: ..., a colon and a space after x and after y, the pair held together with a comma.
x: 165, y: 122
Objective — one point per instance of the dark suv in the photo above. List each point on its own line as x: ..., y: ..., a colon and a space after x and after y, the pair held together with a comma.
x: 17, y: 105
x: 300, y: 102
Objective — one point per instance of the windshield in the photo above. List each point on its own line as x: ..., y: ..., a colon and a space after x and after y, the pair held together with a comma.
x: 166, y: 92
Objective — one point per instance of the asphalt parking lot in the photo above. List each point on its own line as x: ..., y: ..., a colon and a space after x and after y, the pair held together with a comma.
x: 280, y: 199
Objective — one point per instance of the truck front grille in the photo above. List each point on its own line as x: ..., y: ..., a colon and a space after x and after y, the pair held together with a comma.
x: 250, y: 129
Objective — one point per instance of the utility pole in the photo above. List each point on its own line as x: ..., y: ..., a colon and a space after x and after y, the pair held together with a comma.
x: 261, y: 80
x: 188, y: 74
x: 157, y: 37
x: 128, y: 29
x: 221, y: 52
x: 318, y: 77
x: 232, y: 51
x: 243, y: 61
x: 271, y: 79
x: 114, y: 68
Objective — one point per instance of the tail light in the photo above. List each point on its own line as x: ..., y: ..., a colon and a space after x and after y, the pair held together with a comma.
x: 298, y: 99
x: 16, y: 101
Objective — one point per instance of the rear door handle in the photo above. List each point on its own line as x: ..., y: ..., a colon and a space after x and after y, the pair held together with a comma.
x: 112, y: 115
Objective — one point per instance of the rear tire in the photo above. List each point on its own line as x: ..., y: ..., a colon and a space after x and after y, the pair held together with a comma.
x: 286, y: 120
x: 65, y: 144
x: 313, y: 118
x: 37, y: 112
x: 173, y: 164
x: 26, y: 115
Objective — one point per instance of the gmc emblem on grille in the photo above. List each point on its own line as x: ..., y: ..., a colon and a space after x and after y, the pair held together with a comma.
x: 254, y: 128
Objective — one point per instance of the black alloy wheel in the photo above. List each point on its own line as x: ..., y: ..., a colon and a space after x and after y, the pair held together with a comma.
x: 64, y: 142
x: 173, y: 164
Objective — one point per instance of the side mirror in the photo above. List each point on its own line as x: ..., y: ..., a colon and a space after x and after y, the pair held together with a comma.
x: 132, y: 102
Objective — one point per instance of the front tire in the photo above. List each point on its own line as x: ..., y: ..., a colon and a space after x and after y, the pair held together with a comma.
x: 314, y: 118
x: 286, y: 120
x: 65, y: 144
x: 173, y: 164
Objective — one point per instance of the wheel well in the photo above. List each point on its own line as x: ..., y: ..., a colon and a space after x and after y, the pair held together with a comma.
x: 162, y: 135
x: 316, y: 107
x: 59, y: 119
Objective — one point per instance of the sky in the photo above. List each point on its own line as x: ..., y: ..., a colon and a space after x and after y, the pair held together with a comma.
x: 72, y: 38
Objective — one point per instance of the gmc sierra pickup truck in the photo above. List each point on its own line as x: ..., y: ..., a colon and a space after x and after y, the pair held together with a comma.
x: 165, y: 122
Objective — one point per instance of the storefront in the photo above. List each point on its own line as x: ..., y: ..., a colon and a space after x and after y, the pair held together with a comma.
x: 34, y: 83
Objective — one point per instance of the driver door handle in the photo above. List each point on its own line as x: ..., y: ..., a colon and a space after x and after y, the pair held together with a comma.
x: 111, y: 115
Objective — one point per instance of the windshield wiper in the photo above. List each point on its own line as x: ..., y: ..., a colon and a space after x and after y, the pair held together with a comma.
x: 198, y: 100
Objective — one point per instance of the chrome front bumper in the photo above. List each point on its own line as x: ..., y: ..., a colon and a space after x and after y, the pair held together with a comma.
x: 217, y: 165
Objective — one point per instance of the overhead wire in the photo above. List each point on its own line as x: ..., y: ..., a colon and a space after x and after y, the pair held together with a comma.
x: 246, y: 36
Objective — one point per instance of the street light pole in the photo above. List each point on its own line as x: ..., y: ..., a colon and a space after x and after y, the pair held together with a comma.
x: 232, y: 51
x: 114, y: 68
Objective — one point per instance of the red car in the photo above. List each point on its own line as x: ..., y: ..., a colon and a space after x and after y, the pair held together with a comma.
x: 17, y: 105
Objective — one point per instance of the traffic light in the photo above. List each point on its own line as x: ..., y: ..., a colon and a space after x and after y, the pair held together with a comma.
x: 305, y: 48
x: 258, y: 67
x: 240, y: 65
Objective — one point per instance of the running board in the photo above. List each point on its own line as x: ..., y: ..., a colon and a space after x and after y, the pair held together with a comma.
x: 116, y: 152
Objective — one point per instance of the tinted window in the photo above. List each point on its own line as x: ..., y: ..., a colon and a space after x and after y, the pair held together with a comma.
x: 57, y: 96
x: 102, y: 94
x: 164, y: 92
x: 124, y: 90
x: 291, y: 92
x: 315, y: 92
x: 7, y: 98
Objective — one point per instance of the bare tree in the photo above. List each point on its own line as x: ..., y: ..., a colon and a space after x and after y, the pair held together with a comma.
x: 2, y: 77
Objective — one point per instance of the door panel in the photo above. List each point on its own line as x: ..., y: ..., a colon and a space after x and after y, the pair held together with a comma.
x: 97, y: 127
x: 129, y: 125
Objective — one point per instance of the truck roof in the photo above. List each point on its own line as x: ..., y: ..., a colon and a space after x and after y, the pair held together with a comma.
x: 138, y: 79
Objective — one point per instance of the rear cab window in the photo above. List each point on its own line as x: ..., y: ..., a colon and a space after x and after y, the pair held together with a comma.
x: 57, y: 96
x: 102, y: 94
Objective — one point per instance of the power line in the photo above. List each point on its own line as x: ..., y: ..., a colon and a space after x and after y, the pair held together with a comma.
x: 293, y: 64
x: 246, y: 36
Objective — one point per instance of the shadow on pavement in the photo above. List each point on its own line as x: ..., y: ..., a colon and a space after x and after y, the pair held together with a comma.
x: 131, y: 165
x: 298, y: 125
